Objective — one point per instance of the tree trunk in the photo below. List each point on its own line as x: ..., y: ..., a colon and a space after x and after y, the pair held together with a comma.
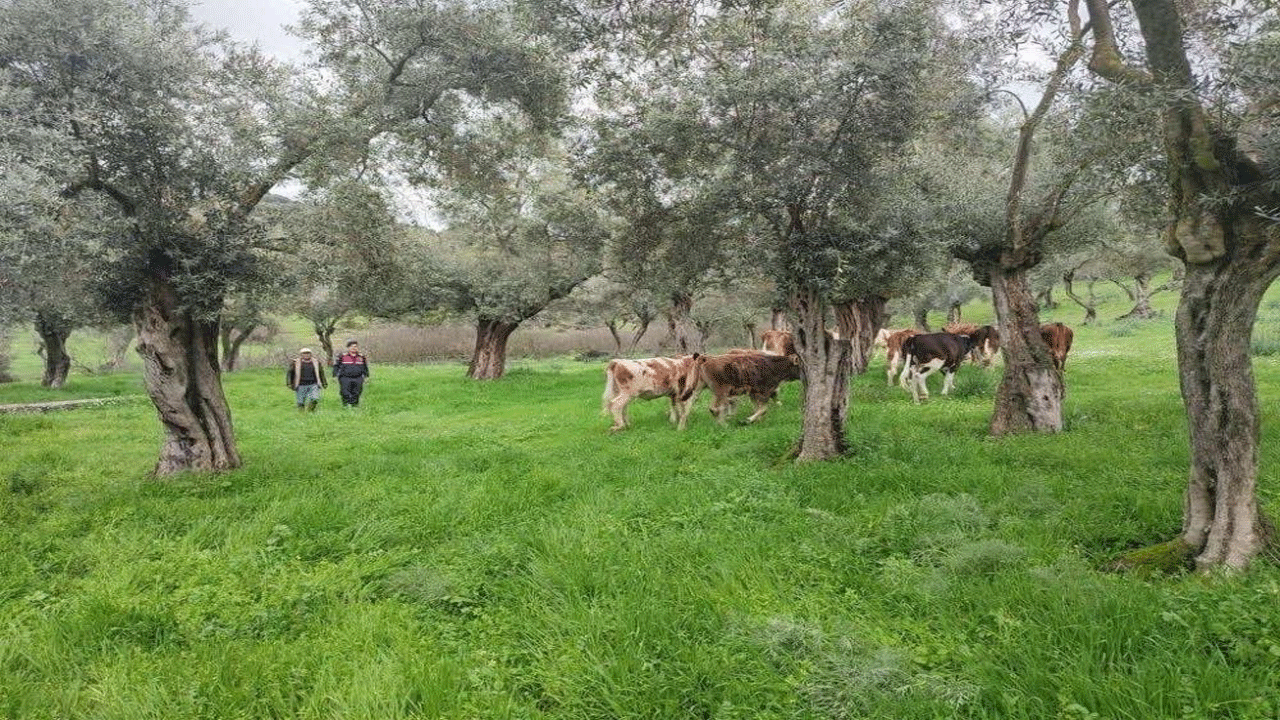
x: 1125, y: 288
x: 1044, y: 299
x: 1214, y: 324
x: 617, y: 338
x: 1031, y: 392
x: 232, y: 339
x: 1090, y: 309
x: 953, y: 313
x: 1142, y: 299
x: 678, y: 323
x: 324, y: 334
x: 489, y: 360
x: 704, y: 333
x: 54, y: 331
x: 826, y: 365
x: 858, y: 322
x: 6, y: 345
x: 180, y: 369
x: 921, y: 316
x: 778, y: 320
x: 752, y: 340
x: 641, y: 329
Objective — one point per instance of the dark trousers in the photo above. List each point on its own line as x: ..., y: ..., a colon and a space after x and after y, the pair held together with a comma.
x: 351, y: 387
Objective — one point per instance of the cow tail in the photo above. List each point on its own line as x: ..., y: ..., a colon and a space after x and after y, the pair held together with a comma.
x: 610, y: 388
x: 688, y: 383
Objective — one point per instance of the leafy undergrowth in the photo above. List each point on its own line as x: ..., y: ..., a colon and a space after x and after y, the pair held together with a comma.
x: 488, y: 550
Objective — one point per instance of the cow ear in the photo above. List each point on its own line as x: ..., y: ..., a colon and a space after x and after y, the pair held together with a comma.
x: 696, y: 356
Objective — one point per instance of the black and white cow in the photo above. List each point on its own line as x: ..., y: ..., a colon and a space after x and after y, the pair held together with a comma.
x: 929, y: 352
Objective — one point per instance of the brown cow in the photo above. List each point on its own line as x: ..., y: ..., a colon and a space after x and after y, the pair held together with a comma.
x: 757, y: 375
x: 1058, y: 337
x: 893, y: 351
x: 626, y: 380
x: 986, y: 343
x: 777, y: 342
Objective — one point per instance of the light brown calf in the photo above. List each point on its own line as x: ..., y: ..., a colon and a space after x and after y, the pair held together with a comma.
x: 626, y: 380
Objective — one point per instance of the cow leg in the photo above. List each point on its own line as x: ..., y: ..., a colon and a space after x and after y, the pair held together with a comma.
x: 907, y: 371
x: 920, y: 388
x: 892, y: 359
x: 948, y: 380
x: 682, y: 410
x: 762, y: 406
x: 618, y: 406
x: 718, y: 409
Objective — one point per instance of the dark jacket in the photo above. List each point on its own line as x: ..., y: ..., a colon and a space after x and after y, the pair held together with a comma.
x: 308, y: 374
x: 349, y: 365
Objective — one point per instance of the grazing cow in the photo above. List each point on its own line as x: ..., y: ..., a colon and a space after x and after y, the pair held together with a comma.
x: 926, y: 353
x: 893, y: 351
x: 1058, y: 337
x: 626, y: 380
x: 755, y: 374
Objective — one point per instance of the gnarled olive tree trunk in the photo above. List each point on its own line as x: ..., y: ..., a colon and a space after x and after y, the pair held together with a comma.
x: 858, y: 322
x: 180, y: 369
x: 54, y: 330
x: 1031, y: 391
x: 1141, y: 295
x: 1090, y: 306
x: 489, y: 359
x: 1214, y: 327
x: 677, y: 338
x: 826, y: 364
x: 232, y: 340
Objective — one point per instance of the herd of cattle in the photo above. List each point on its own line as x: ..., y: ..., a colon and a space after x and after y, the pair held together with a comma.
x: 758, y: 373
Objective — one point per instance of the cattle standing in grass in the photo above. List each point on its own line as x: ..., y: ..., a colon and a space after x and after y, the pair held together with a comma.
x: 926, y: 353
x: 757, y: 375
x: 893, y: 351
x: 626, y: 380
x: 1058, y: 337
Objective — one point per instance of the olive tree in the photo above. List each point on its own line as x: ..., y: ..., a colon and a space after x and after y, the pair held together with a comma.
x: 1216, y: 107
x: 185, y: 133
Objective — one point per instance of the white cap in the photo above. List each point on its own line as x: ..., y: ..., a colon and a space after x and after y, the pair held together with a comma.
x: 305, y: 350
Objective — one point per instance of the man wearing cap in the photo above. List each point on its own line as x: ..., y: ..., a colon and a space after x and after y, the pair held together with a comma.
x: 305, y: 378
x: 351, y: 368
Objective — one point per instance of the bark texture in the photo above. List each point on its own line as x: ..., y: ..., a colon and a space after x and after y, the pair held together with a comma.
x: 858, y: 322
x: 1214, y: 327
x: 182, y: 376
x: 1031, y: 391
x: 826, y: 364
x: 232, y: 340
x: 677, y: 339
x: 54, y: 330
x: 489, y: 359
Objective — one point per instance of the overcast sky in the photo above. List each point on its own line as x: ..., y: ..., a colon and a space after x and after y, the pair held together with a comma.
x: 260, y: 21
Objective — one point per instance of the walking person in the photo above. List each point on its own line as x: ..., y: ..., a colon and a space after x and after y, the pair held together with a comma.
x: 306, y: 377
x: 351, y: 368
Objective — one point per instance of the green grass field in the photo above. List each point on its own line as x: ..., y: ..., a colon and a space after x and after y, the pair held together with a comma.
x: 487, y: 550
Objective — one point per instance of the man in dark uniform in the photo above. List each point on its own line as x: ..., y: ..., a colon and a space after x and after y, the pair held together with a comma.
x: 351, y: 368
